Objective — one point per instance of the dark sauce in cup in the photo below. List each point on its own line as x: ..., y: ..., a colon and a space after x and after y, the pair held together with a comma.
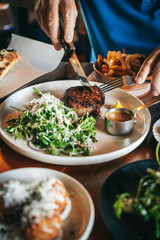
x: 119, y: 116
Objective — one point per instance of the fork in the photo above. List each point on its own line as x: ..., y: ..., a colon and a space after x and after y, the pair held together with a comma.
x: 119, y: 82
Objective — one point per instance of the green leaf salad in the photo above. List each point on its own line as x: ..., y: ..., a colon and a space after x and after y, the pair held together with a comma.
x: 47, y: 124
x: 146, y: 203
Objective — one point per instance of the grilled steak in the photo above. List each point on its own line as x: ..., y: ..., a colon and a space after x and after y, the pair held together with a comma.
x: 82, y: 100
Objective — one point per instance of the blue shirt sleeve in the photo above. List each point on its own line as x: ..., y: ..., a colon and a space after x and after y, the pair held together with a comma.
x: 132, y: 25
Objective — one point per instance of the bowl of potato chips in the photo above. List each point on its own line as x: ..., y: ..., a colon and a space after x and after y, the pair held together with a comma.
x: 117, y: 64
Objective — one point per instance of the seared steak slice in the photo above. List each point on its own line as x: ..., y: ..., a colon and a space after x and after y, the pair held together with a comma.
x: 82, y: 100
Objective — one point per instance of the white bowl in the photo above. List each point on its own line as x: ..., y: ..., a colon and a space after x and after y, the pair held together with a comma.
x: 31, y: 174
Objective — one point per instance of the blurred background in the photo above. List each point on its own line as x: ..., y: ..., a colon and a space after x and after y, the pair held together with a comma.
x: 21, y: 21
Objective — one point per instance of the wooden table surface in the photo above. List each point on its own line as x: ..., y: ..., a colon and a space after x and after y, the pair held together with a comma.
x: 91, y: 176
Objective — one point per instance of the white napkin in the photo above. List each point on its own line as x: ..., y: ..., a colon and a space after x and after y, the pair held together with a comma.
x: 36, y: 58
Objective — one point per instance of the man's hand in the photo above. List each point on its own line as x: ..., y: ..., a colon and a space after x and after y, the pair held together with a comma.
x: 152, y: 62
x: 47, y: 13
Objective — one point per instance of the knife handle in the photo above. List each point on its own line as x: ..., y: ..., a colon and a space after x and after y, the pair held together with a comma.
x: 69, y: 48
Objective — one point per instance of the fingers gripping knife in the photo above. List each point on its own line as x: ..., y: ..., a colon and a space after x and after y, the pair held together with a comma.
x: 69, y: 49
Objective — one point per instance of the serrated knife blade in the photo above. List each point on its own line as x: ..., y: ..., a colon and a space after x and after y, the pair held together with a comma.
x: 79, y: 70
x: 69, y: 49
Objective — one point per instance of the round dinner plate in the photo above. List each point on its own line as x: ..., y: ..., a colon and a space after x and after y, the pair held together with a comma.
x: 108, y: 147
x: 125, y: 179
x: 29, y: 175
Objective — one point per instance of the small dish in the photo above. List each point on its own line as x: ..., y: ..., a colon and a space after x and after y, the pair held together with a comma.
x: 100, y: 77
x: 29, y: 175
x: 136, y: 90
x: 119, y: 121
x: 156, y: 130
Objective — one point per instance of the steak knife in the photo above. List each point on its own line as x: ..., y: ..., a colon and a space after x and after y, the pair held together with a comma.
x: 69, y: 49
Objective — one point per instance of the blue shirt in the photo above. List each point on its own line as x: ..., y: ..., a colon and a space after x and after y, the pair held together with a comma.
x: 133, y: 25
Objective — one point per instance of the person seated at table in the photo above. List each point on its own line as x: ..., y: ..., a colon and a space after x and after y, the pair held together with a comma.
x: 111, y: 25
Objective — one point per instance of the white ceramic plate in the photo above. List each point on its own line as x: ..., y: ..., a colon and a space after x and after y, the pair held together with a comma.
x: 108, y: 147
x: 71, y: 184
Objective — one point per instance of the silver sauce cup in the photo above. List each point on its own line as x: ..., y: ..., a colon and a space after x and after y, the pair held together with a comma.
x: 119, y: 128
x: 124, y: 126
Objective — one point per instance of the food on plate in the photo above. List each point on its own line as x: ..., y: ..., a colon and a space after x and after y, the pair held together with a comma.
x: 146, y: 202
x: 53, y: 190
x: 47, y: 228
x: 13, y: 195
x: 41, y: 204
x: 118, y: 105
x: 83, y: 101
x: 8, y: 58
x: 119, y: 63
x: 47, y: 124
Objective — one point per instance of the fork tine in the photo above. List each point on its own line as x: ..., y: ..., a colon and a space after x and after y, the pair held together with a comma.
x: 110, y: 83
x: 113, y: 83
x: 103, y: 86
x: 111, y: 87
